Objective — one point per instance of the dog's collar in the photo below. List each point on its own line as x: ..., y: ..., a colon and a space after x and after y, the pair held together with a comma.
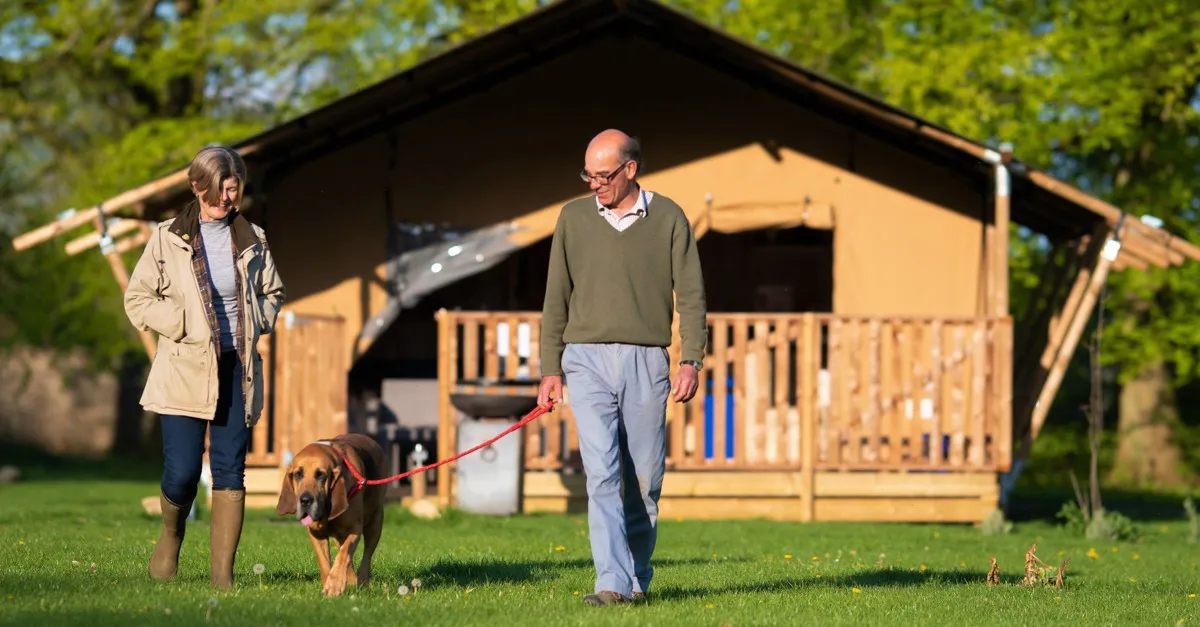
x: 360, y: 481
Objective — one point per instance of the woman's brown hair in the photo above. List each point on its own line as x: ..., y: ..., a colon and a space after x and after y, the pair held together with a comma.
x: 209, y: 169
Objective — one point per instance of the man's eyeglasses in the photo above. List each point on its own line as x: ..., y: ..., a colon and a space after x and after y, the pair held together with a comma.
x: 603, y: 179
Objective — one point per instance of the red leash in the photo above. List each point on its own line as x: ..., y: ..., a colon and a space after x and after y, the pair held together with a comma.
x: 362, y: 482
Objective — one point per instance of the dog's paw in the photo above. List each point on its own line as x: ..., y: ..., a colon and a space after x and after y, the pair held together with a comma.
x: 334, y: 586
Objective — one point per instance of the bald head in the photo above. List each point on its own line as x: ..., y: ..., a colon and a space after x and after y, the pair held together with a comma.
x: 611, y: 164
x: 615, y: 146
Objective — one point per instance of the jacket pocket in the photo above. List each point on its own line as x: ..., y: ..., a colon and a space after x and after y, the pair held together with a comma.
x: 255, y: 405
x: 189, y: 373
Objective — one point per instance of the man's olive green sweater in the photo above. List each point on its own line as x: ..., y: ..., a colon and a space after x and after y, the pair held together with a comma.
x: 610, y: 286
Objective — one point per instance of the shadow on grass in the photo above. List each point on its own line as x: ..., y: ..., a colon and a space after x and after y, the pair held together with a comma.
x: 1043, y: 503
x: 878, y: 578
x: 460, y: 573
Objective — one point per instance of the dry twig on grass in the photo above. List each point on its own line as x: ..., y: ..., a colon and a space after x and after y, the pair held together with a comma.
x: 1037, y: 571
x: 1058, y: 581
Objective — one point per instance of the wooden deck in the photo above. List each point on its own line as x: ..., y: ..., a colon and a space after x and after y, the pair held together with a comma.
x: 825, y: 417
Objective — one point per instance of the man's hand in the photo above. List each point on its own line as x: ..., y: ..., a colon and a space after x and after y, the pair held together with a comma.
x: 685, y: 383
x: 550, y: 389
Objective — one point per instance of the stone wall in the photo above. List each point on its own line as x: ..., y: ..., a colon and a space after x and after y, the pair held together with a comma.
x: 53, y: 402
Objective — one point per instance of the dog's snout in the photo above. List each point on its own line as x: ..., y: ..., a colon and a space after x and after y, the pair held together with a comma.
x: 306, y: 499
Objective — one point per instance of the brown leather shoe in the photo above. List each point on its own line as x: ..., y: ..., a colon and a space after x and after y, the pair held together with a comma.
x: 228, y: 512
x: 605, y: 597
x: 164, y: 562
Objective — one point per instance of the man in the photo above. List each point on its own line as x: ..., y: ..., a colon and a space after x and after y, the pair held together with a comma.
x: 615, y: 260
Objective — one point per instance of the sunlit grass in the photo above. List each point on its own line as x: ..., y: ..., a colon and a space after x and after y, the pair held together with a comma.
x: 75, y: 552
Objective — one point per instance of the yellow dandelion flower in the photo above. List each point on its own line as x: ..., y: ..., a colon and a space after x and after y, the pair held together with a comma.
x: 855, y: 590
x: 1135, y: 557
x: 924, y: 568
x: 560, y: 548
x: 20, y: 542
x: 787, y: 556
x: 1192, y: 595
x: 1132, y: 580
x: 709, y: 606
x: 1093, y: 554
x: 1115, y: 549
x: 815, y: 558
x: 576, y: 593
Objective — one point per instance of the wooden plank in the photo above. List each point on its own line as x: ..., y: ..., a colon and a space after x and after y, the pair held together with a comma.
x: 778, y: 509
x: 979, y: 402
x: 535, y: 346
x: 875, y: 484
x: 958, y: 398
x: 470, y: 351
x: 1074, y: 331
x: 491, y: 354
x: 780, y: 426
x: 853, y: 393
x: 872, y: 415
x: 935, y: 430
x: 967, y: 510
x: 678, y: 484
x: 720, y: 356
x: 445, y: 444
x: 999, y: 247
x: 807, y: 364
x: 1004, y: 390
x: 831, y: 443
x: 263, y: 480
x: 512, y: 362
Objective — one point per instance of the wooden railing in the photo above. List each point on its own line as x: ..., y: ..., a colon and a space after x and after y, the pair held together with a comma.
x: 795, y: 391
x: 304, y: 371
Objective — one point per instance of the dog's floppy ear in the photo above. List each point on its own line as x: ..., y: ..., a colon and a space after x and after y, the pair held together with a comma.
x: 338, y: 490
x: 287, y: 495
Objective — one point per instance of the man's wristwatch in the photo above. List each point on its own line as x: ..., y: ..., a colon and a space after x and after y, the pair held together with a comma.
x: 693, y: 363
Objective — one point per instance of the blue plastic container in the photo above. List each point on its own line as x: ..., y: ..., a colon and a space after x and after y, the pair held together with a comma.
x: 709, y: 409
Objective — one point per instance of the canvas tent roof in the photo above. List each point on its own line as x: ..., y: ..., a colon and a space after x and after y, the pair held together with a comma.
x: 1042, y: 203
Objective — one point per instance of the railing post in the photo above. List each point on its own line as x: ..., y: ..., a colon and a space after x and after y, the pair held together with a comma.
x: 445, y: 441
x: 806, y: 397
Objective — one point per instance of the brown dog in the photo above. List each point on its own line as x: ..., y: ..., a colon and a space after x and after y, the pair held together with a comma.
x: 316, y: 488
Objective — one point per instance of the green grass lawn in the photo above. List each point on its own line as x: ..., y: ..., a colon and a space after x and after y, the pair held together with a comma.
x: 74, y: 551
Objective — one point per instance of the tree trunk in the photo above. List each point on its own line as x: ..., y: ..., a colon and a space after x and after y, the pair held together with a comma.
x: 1146, y: 452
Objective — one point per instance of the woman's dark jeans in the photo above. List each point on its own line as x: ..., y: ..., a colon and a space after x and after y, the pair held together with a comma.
x: 183, y: 441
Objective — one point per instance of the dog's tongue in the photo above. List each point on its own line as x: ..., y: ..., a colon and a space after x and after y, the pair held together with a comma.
x: 306, y: 521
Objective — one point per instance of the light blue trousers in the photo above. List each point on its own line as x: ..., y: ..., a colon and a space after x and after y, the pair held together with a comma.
x: 618, y: 394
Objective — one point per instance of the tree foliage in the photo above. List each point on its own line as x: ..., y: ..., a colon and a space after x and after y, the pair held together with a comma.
x: 96, y: 97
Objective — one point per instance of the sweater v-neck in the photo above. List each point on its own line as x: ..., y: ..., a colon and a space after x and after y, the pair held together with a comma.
x: 636, y: 223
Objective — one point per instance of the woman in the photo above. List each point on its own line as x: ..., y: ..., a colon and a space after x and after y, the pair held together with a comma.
x: 206, y: 283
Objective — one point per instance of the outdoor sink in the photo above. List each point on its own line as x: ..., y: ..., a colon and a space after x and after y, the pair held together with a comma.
x: 494, y: 405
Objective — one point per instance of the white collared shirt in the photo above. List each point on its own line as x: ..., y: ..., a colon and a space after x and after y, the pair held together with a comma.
x: 622, y: 222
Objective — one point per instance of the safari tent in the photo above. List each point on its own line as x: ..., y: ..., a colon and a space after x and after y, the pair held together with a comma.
x: 862, y: 360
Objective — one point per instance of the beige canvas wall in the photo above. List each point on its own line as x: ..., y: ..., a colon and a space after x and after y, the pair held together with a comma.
x: 517, y: 149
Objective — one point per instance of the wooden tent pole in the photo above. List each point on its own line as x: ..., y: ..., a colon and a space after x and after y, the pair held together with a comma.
x: 1075, y: 329
x: 121, y: 274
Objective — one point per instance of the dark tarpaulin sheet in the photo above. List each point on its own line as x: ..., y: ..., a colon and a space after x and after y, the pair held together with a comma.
x: 418, y: 272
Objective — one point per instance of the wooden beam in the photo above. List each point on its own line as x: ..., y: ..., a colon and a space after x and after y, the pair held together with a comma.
x: 446, y: 368
x: 1074, y: 329
x: 1000, y: 241
x: 116, y: 228
x: 72, y: 219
